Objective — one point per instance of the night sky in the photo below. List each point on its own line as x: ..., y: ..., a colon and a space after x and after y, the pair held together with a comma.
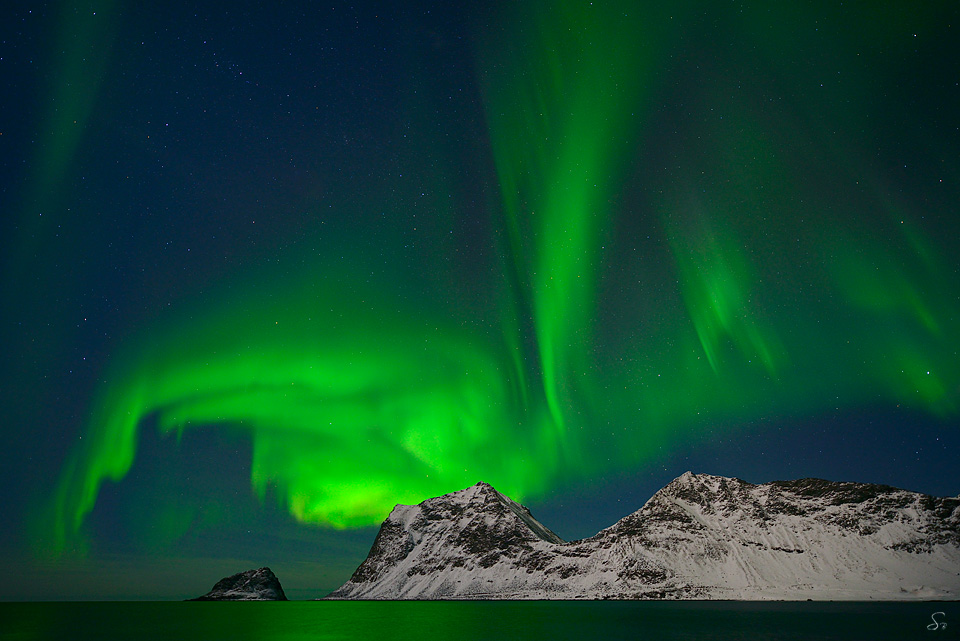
x: 269, y: 270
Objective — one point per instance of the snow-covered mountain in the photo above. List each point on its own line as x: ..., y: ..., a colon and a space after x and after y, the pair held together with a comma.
x: 702, y: 536
x: 253, y: 585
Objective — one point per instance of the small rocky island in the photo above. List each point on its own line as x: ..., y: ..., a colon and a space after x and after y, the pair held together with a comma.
x: 253, y: 585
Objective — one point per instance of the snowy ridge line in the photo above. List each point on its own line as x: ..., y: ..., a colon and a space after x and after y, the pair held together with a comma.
x: 700, y: 537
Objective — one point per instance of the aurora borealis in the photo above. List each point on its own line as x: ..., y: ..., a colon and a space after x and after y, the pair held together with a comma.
x: 277, y: 271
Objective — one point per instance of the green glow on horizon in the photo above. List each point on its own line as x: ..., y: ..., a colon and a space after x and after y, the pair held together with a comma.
x: 352, y: 407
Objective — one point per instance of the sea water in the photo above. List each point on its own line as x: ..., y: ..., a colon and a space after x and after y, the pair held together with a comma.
x: 476, y: 621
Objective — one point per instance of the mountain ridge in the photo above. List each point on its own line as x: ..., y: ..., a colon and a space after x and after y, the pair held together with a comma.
x: 700, y: 536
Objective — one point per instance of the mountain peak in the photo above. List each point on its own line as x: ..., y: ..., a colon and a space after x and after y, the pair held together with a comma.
x: 689, y: 477
x: 480, y: 489
x: 476, y: 527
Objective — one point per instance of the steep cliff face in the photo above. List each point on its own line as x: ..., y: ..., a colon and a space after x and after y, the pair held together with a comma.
x: 253, y: 585
x: 701, y: 537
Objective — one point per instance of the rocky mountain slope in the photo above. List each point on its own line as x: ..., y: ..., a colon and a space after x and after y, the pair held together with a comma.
x: 702, y: 536
x: 253, y: 585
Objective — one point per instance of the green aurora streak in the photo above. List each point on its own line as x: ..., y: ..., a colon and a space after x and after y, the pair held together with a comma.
x: 82, y: 42
x: 355, y: 402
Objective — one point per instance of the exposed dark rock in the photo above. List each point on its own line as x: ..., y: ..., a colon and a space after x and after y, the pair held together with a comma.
x: 253, y: 585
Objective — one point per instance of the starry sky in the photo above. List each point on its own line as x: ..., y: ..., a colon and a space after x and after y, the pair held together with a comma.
x: 269, y: 270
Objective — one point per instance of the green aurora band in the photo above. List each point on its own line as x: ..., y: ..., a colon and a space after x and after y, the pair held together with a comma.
x: 355, y: 402
x: 560, y: 111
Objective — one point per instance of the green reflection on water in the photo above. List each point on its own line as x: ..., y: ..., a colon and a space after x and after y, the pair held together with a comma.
x: 470, y: 621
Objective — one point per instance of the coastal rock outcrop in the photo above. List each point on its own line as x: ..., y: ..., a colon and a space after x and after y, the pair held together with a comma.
x: 253, y: 585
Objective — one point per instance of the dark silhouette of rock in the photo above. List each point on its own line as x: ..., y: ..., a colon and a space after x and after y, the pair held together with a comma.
x: 253, y: 585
